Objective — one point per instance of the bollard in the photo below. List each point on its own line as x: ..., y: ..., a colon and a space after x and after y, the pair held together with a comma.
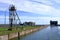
x: 18, y: 36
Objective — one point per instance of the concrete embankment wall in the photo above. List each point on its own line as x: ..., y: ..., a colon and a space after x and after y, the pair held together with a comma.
x: 4, y: 37
x: 13, y: 35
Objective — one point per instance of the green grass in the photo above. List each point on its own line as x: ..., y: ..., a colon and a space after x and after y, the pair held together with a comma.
x: 4, y: 30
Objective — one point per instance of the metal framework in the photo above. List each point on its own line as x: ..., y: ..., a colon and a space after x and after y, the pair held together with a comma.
x: 13, y: 16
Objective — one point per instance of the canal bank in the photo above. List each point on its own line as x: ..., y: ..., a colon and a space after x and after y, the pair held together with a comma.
x: 24, y: 32
x: 48, y: 33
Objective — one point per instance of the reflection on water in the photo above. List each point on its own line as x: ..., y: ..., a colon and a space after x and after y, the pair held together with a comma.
x: 49, y: 33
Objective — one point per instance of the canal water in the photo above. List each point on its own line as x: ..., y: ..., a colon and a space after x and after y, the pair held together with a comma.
x: 49, y: 33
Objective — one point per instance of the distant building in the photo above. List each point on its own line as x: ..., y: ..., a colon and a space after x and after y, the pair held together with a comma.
x: 29, y: 23
x: 54, y: 23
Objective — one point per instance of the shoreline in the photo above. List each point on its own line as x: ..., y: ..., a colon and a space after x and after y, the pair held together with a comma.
x: 25, y: 32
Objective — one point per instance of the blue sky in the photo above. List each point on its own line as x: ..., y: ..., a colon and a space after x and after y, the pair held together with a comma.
x: 38, y: 11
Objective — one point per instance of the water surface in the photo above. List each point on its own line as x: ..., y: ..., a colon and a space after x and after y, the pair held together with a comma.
x: 49, y: 33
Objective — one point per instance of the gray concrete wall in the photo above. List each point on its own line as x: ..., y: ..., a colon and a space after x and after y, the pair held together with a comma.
x: 13, y: 35
x: 4, y: 37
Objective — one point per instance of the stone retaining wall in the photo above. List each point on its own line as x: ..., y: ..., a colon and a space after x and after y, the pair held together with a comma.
x: 13, y: 35
x: 4, y: 37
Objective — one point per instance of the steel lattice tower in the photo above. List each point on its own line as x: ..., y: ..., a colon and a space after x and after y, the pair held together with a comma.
x: 12, y: 16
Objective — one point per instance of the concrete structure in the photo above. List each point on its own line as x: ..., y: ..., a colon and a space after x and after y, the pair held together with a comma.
x: 12, y: 17
x: 54, y: 23
x: 4, y: 37
x: 14, y: 35
x: 29, y: 23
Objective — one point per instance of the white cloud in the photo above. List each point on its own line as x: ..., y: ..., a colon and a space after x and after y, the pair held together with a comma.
x: 7, y: 1
x: 37, y: 8
x: 58, y: 1
x: 33, y: 7
x: 47, y: 2
x: 37, y: 20
x: 40, y: 20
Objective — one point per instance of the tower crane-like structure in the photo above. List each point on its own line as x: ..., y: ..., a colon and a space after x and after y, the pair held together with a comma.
x: 13, y: 17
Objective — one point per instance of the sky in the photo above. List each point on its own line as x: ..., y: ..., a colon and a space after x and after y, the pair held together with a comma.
x: 38, y: 11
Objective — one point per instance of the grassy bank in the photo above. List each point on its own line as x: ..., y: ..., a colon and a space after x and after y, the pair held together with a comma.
x: 4, y: 30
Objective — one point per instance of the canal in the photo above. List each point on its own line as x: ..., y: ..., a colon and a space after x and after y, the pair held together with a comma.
x: 49, y: 33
